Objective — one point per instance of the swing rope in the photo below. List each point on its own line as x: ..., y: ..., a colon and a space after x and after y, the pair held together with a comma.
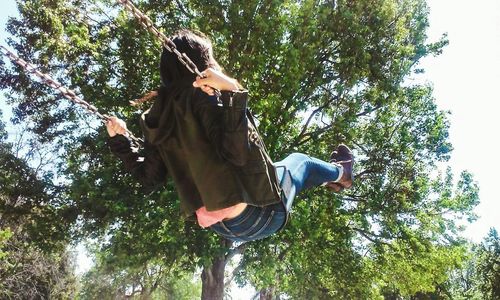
x: 146, y: 22
x: 66, y: 92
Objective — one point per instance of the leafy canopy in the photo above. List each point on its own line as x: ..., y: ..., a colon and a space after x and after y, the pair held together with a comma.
x: 319, y: 73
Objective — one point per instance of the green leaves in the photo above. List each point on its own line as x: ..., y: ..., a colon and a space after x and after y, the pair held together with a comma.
x: 5, y: 235
x: 319, y: 73
x: 488, y: 267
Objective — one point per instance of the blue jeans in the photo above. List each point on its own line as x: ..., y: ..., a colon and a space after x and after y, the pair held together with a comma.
x: 259, y: 222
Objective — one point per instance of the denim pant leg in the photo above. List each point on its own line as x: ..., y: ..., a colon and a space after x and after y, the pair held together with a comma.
x: 259, y: 222
x: 306, y: 172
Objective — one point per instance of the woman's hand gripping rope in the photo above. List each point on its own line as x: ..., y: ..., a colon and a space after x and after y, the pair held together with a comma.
x: 116, y: 126
x: 215, y: 80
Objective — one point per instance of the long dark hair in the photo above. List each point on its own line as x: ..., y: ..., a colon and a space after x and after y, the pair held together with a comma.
x: 176, y: 78
x: 197, y: 47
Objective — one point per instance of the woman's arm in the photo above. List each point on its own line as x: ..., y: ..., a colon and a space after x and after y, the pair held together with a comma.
x: 218, y: 80
x: 147, y: 168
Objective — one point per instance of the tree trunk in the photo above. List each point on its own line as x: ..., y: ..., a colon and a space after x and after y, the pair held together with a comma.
x: 212, y: 279
x: 266, y: 294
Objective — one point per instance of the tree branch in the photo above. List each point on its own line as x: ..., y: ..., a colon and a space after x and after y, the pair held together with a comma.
x: 367, y: 112
x: 233, y: 274
x: 238, y: 250
x: 183, y: 9
x: 362, y: 173
x: 156, y: 281
x: 358, y: 145
x: 372, y: 237
x: 351, y: 199
x: 314, y: 112
x: 312, y: 134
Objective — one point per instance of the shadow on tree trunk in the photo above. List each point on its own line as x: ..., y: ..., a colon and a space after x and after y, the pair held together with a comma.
x: 212, y: 277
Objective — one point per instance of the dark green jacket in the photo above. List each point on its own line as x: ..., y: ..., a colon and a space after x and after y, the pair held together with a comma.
x: 214, y: 153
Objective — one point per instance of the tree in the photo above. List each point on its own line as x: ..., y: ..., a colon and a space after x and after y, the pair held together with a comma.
x: 109, y: 279
x: 488, y: 267
x: 477, y: 278
x: 31, y: 265
x: 463, y: 283
x: 319, y: 73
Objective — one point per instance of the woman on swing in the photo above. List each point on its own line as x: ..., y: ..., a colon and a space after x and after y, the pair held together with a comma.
x: 210, y: 147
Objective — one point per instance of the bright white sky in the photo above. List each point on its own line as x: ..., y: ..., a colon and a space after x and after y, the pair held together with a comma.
x: 466, y: 80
